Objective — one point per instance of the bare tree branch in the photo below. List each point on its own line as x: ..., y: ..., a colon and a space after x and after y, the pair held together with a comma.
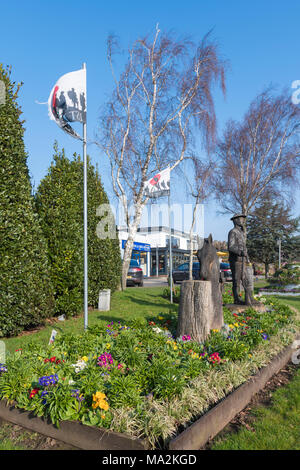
x: 163, y: 95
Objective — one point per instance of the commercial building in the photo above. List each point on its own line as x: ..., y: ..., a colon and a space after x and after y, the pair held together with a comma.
x: 151, y: 248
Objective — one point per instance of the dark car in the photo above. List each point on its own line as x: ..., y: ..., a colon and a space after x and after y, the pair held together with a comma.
x: 181, y: 273
x: 226, y: 271
x: 135, y: 276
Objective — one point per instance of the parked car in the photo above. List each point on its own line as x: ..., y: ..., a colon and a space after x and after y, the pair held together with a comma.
x: 135, y: 274
x: 226, y: 271
x: 181, y: 273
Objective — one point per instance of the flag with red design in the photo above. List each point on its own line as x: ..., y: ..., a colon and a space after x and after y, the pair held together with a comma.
x: 67, y: 101
x: 158, y: 185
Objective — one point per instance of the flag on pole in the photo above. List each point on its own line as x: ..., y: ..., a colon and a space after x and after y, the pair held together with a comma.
x: 67, y: 101
x: 159, y: 185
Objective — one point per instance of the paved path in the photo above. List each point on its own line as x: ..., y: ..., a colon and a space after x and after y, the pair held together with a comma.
x: 160, y: 281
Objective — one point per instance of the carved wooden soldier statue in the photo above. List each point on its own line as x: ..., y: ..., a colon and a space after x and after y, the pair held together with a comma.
x: 239, y: 261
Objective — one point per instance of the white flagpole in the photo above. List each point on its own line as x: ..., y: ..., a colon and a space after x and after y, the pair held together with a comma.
x: 85, y: 239
x: 170, y: 252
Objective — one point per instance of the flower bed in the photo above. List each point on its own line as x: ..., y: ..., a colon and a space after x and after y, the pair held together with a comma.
x: 277, y: 290
x: 137, y: 378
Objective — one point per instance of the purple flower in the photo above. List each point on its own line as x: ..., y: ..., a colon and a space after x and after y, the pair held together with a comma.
x: 264, y: 336
x: 43, y: 394
x: 3, y: 368
x: 104, y: 360
x: 186, y: 338
x: 48, y: 380
x: 76, y: 394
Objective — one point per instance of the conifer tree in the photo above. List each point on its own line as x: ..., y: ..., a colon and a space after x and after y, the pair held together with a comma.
x: 269, y: 222
x: 59, y: 202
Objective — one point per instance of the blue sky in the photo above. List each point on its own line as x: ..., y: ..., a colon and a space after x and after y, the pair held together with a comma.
x: 42, y: 40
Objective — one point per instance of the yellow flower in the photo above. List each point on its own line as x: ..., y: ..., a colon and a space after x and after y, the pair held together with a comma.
x: 215, y: 330
x: 236, y: 324
x: 107, y: 346
x: 175, y: 347
x: 160, y: 318
x: 84, y: 358
x: 99, y: 396
x: 103, y: 405
x: 136, y: 349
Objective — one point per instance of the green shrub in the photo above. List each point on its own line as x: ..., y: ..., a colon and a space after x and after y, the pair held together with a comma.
x: 59, y: 202
x: 176, y: 294
x: 285, y: 276
x: 26, y: 292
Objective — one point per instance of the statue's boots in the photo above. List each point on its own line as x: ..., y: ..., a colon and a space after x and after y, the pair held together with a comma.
x: 249, y: 299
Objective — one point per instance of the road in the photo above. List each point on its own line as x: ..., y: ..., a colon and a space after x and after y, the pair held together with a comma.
x: 160, y: 281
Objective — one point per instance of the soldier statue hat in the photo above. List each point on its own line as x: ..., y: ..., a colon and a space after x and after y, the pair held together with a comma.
x: 235, y: 216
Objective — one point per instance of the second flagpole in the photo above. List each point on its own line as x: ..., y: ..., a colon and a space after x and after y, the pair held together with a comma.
x: 170, y: 252
x: 85, y: 223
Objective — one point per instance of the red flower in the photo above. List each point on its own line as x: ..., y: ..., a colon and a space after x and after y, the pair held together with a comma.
x: 33, y: 392
x: 214, y: 358
x: 53, y: 359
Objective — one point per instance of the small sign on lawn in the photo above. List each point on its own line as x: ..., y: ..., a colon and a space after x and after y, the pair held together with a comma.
x: 52, y: 337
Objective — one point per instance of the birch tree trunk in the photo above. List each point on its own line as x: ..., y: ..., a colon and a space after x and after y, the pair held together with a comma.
x: 129, y: 244
x: 191, y: 261
x: 191, y: 240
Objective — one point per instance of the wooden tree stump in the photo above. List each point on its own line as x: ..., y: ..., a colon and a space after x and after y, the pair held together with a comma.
x: 196, y: 311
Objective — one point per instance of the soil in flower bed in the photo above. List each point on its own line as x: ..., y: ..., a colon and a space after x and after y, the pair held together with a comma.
x: 246, y: 418
x: 28, y: 440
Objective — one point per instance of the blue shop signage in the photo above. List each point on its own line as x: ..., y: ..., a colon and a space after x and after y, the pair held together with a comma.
x: 138, y: 246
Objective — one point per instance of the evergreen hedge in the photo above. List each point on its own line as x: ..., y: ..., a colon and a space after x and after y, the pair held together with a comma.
x: 25, y: 287
x: 59, y: 203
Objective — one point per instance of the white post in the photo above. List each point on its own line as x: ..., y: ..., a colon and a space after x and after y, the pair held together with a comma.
x: 85, y: 239
x: 170, y: 253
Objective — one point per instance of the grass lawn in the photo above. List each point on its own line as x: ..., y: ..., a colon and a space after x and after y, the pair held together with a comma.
x: 131, y: 304
x: 7, y: 444
x: 276, y: 427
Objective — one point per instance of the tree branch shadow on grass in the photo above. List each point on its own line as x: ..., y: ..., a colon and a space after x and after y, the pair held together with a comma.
x: 172, y: 307
x: 288, y: 297
x: 110, y: 319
